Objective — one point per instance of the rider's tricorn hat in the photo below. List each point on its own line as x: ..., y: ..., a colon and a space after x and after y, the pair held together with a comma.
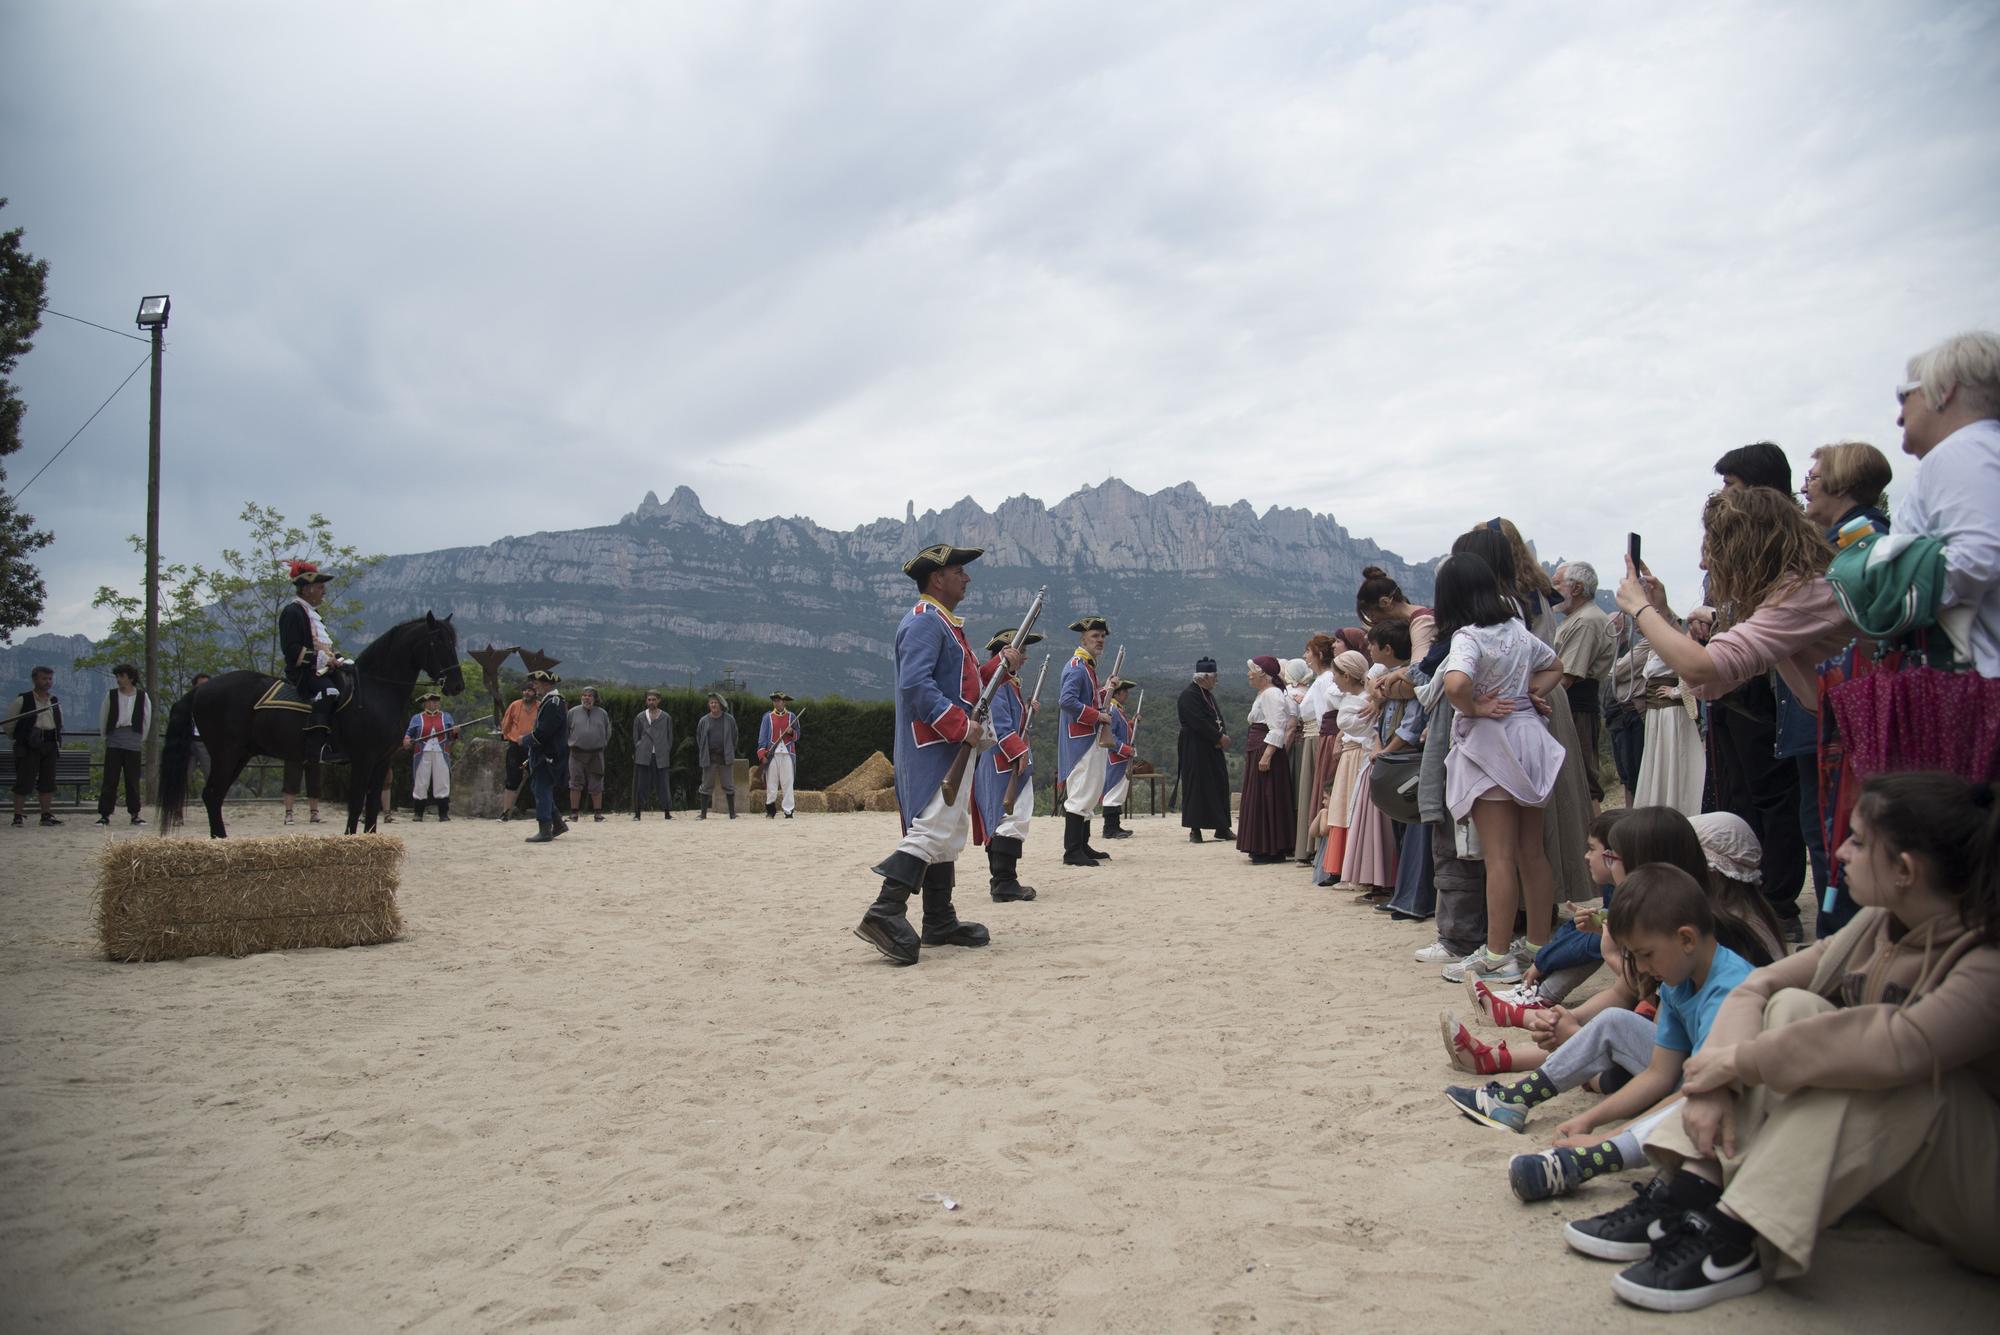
x: 303, y: 573
x: 1083, y: 625
x: 1002, y: 638
x: 544, y: 675
x: 933, y: 559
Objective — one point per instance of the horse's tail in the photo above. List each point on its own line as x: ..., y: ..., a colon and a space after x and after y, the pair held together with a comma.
x: 176, y: 753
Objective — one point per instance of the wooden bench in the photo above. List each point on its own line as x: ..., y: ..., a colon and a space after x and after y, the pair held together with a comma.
x: 73, y: 772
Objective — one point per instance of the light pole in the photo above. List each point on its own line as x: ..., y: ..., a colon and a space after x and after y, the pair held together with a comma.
x: 153, y: 316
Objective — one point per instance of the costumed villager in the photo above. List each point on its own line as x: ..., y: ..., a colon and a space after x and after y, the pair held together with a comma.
x: 548, y: 754
x: 1083, y: 742
x: 1313, y: 707
x: 311, y: 664
x: 1203, y: 756
x: 35, y: 724
x: 715, y: 752
x: 1351, y: 732
x: 515, y: 725
x: 1118, y: 765
x: 1264, y: 825
x: 777, y: 752
x: 123, y: 723
x: 652, y: 753
x: 1007, y: 768
x: 589, y: 738
x: 428, y: 739
x: 938, y: 684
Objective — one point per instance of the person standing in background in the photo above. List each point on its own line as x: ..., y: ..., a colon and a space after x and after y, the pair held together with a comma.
x: 123, y: 722
x: 37, y: 733
x: 589, y: 735
x: 652, y: 755
x: 715, y: 752
x: 515, y: 725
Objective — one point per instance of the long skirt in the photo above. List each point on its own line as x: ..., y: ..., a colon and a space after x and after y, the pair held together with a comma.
x: 1304, y: 805
x: 1673, y: 767
x: 1265, y: 822
x: 1339, y: 803
x: 1371, y: 841
x: 1566, y: 820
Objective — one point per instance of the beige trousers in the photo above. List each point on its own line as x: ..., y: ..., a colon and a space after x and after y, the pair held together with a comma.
x: 1927, y: 1156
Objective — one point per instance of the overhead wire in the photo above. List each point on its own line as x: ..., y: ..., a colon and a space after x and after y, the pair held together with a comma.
x: 86, y: 422
x: 136, y: 338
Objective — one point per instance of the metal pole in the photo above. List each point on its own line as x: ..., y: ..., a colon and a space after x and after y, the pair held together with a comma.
x: 153, y: 579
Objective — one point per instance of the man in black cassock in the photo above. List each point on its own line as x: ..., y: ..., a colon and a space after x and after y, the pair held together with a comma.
x: 1204, y: 758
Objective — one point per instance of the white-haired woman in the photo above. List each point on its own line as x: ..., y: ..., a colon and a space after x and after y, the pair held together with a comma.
x: 1951, y: 424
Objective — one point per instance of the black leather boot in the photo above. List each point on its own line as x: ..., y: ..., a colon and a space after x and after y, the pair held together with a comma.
x: 941, y: 924
x: 542, y: 834
x: 1076, y: 829
x: 417, y: 806
x: 1113, y: 827
x: 1003, y: 858
x: 444, y: 808
x: 559, y: 827
x: 1083, y: 841
x: 731, y: 799
x: 886, y: 924
x: 705, y: 800
x: 770, y: 811
x: 1194, y: 836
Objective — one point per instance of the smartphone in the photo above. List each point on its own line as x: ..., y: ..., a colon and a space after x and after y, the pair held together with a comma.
x: 1632, y: 550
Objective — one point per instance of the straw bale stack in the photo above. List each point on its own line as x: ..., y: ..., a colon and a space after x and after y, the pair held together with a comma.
x: 883, y: 800
x: 811, y: 803
x: 844, y: 801
x: 870, y: 776
x: 165, y: 899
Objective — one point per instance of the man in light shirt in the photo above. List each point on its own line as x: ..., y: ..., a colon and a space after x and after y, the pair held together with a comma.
x: 1951, y: 423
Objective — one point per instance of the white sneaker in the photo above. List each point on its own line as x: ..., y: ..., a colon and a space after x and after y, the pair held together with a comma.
x: 1483, y: 963
x: 1522, y: 950
x: 1437, y: 952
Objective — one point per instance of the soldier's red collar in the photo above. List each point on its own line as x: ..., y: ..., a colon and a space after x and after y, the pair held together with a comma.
x: 943, y: 611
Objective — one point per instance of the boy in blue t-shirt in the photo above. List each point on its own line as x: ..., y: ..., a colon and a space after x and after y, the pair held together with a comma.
x: 1662, y: 922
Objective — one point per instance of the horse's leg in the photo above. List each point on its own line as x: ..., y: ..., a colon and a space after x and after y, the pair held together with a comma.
x: 225, y: 763
x: 364, y: 803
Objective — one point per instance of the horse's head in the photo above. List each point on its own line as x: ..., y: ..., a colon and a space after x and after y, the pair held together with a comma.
x: 439, y: 656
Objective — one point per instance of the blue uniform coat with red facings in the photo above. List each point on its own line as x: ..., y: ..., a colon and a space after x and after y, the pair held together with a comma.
x: 1009, y: 721
x: 774, y: 725
x: 1121, y: 755
x: 937, y: 685
x: 1076, y: 732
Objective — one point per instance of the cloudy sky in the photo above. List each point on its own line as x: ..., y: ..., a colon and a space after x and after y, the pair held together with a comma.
x: 455, y: 270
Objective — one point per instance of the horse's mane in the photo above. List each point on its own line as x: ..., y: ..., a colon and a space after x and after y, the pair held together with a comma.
x: 401, y: 632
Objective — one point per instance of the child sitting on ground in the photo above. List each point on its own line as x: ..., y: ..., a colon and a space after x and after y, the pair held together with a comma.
x: 1864, y: 1069
x: 1664, y: 928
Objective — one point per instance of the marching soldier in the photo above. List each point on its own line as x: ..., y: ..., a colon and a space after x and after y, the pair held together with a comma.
x: 938, y: 683
x: 777, y: 752
x: 548, y: 754
x: 308, y: 654
x: 1008, y: 767
x: 1118, y: 766
x: 1079, y: 757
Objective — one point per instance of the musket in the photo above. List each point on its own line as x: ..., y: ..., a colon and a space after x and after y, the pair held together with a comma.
x: 791, y: 731
x: 1137, y: 715
x: 956, y: 775
x: 30, y: 713
x: 1104, y: 699
x: 1021, y: 771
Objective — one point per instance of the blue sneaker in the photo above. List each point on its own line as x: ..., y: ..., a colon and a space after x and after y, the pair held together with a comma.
x: 1485, y: 1105
x: 1541, y: 1176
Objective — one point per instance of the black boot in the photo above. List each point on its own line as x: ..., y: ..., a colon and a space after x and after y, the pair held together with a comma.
x: 417, y: 806
x: 1003, y: 858
x: 1083, y: 841
x: 705, y: 800
x: 1226, y: 835
x: 1113, y: 828
x: 1194, y: 836
x: 1076, y: 832
x: 941, y: 924
x: 319, y: 731
x: 731, y: 799
x: 770, y: 811
x: 559, y: 827
x: 543, y: 833
x: 444, y: 809
x: 886, y: 925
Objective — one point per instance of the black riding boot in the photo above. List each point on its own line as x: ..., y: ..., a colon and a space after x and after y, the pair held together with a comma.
x: 1003, y: 859
x: 1076, y: 831
x: 559, y: 826
x: 731, y: 799
x: 543, y: 833
x: 444, y: 808
x: 770, y: 811
x: 705, y: 800
x: 1113, y: 828
x: 941, y: 924
x: 1083, y: 841
x: 886, y: 925
x: 417, y: 805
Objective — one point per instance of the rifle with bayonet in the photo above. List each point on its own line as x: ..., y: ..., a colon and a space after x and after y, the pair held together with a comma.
x: 1027, y: 722
x: 791, y: 733
x: 956, y: 775
x: 1104, y: 738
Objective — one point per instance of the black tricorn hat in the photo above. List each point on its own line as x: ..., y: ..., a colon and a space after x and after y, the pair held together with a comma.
x: 1083, y: 624
x: 1002, y: 638
x: 429, y: 695
x: 1121, y: 683
x: 780, y: 695
x: 303, y: 573
x: 933, y: 559
x: 545, y: 676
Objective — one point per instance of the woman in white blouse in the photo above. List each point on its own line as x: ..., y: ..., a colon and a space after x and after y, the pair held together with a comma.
x: 1265, y: 825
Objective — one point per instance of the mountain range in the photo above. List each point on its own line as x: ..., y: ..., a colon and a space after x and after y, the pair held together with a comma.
x: 672, y: 595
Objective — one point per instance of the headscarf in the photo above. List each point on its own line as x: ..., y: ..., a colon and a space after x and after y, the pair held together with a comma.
x: 1354, y: 638
x: 1730, y: 845
x: 1297, y: 673
x: 1352, y: 664
x: 1268, y: 665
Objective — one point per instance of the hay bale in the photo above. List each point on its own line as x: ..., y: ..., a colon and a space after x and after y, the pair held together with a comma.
x: 885, y: 800
x: 167, y: 899
x: 844, y: 801
x: 814, y: 803
x: 871, y: 775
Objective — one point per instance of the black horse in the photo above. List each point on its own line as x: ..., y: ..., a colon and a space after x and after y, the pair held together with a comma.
x: 370, y: 725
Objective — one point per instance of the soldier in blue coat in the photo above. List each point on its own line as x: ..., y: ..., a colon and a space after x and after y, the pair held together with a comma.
x: 1009, y: 765
x: 938, y: 683
x: 1118, y: 764
x: 1081, y: 755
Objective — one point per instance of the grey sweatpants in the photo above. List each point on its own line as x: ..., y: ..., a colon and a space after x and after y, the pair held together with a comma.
x: 1612, y: 1038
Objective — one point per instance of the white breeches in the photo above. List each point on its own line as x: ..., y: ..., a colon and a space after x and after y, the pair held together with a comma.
x: 1085, y: 782
x: 1014, y: 822
x: 939, y: 832
x: 1116, y: 797
x: 778, y: 778
x: 431, y: 775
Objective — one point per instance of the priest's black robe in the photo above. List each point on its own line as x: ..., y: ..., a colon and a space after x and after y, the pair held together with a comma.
x: 1204, y: 766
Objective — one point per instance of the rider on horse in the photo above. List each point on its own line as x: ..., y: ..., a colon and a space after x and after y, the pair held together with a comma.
x: 310, y: 660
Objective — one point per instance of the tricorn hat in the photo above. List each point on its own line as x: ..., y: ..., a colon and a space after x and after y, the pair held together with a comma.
x: 933, y: 559
x: 303, y: 573
x: 429, y: 695
x: 781, y: 697
x: 1121, y: 683
x: 545, y: 676
x: 1002, y: 638
x: 1085, y: 624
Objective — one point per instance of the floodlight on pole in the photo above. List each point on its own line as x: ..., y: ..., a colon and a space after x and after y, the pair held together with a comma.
x: 153, y: 316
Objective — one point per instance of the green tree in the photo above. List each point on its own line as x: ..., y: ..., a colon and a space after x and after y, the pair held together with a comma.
x: 190, y: 637
x: 250, y: 587
x: 23, y: 280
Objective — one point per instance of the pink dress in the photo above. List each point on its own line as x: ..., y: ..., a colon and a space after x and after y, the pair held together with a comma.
x: 1516, y: 755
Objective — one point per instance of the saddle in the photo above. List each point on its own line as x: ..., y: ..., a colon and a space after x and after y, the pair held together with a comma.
x: 283, y: 695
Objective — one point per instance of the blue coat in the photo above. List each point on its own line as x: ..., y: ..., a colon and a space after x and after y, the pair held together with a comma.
x: 765, y: 728
x: 997, y: 767
x: 1121, y: 755
x: 937, y: 685
x: 1077, y: 730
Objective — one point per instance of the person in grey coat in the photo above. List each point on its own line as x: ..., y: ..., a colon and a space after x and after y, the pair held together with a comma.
x: 589, y: 735
x: 715, y: 752
x: 652, y: 752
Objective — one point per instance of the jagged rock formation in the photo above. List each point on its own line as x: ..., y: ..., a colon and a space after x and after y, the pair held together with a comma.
x: 672, y: 594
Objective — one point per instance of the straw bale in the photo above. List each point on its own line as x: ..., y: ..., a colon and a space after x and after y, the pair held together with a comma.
x: 844, y: 801
x: 809, y: 802
x: 161, y: 899
x: 884, y: 800
x: 871, y: 775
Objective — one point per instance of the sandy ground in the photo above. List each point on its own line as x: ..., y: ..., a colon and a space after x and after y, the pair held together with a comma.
x: 644, y: 1079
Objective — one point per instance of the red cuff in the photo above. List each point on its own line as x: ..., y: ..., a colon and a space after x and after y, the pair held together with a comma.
x: 1013, y: 746
x: 1089, y: 716
x: 951, y: 725
x: 763, y: 754
x: 1126, y: 753
x: 987, y: 669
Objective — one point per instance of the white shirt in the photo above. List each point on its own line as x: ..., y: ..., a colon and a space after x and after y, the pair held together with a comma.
x: 1956, y: 498
x: 1499, y: 659
x: 1271, y: 709
x: 1354, y: 727
x: 1320, y: 697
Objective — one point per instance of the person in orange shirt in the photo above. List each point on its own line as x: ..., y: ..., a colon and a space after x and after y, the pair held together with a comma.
x: 515, y: 725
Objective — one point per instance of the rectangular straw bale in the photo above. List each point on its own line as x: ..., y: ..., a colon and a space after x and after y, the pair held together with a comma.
x: 162, y: 899
x: 809, y: 802
x: 884, y: 800
x: 843, y: 801
x: 871, y: 775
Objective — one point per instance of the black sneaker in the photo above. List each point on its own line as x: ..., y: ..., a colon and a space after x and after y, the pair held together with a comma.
x: 19, y: 821
x: 1630, y: 1232
x: 1706, y: 1258
x: 104, y: 820
x: 48, y: 820
x: 137, y: 819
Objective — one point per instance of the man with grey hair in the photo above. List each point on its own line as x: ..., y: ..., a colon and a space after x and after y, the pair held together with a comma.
x: 1951, y: 423
x: 1587, y: 646
x: 589, y: 735
x: 715, y: 753
x: 1203, y: 749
